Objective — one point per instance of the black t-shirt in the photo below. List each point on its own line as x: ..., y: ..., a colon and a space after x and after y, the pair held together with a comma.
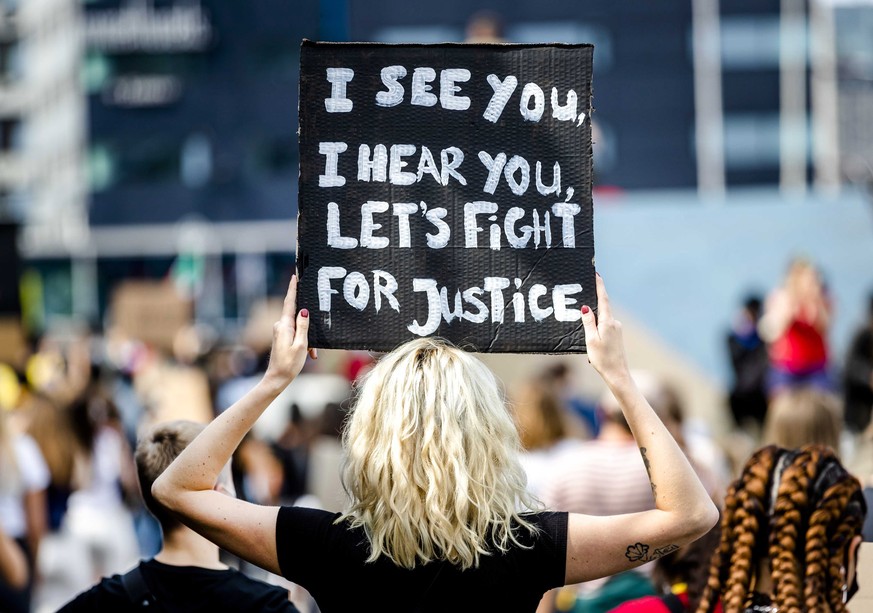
x: 186, y: 589
x: 329, y: 560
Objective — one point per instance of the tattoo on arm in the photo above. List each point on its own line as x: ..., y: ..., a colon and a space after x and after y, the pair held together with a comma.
x: 639, y: 552
x: 649, y: 472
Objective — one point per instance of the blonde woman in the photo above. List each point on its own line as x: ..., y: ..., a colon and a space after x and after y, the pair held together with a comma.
x: 804, y: 416
x: 435, y: 486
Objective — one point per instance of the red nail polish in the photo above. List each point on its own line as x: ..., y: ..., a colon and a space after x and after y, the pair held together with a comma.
x: 304, y: 312
x: 585, y: 309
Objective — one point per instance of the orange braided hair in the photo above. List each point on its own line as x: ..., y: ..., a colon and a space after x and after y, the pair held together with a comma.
x: 745, y: 511
x: 801, y: 509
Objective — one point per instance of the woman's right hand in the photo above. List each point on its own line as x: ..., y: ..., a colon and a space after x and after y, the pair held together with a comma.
x: 603, y: 338
x: 290, y: 340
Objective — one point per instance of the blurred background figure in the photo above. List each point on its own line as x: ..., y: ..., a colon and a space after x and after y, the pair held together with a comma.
x: 97, y: 513
x: 23, y: 481
x: 749, y: 363
x: 804, y: 416
x: 485, y: 27
x: 542, y: 426
x: 607, y: 475
x: 858, y: 375
x: 796, y: 321
x: 785, y: 497
x: 603, y: 476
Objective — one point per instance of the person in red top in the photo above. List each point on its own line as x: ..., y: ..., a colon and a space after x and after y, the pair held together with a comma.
x: 795, y: 324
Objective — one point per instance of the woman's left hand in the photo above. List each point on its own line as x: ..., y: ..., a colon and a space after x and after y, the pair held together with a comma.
x: 290, y: 339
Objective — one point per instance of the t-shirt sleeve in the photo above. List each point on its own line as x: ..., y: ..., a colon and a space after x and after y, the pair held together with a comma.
x: 259, y: 596
x: 108, y: 595
x: 551, y: 549
x: 303, y: 542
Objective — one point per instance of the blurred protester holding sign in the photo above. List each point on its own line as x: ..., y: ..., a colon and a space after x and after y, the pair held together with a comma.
x: 796, y: 321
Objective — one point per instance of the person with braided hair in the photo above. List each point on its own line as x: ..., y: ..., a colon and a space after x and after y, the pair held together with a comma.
x: 791, y: 528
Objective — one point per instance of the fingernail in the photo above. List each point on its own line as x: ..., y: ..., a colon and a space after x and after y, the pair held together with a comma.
x: 597, y: 273
x: 304, y: 313
x: 585, y: 309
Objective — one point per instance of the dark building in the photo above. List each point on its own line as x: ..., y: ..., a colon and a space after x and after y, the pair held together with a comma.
x: 750, y: 51
x: 193, y: 108
x: 643, y: 71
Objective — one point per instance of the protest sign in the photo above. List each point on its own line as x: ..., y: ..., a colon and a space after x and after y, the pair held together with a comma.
x: 445, y: 190
x: 151, y: 311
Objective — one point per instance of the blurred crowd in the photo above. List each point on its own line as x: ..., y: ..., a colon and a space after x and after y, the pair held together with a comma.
x: 73, y: 405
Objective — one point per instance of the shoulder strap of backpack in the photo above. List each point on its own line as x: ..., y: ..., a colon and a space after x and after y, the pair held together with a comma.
x: 137, y: 590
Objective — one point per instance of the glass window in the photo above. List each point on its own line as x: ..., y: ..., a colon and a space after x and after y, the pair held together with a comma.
x: 10, y: 134
x: 750, y: 42
x: 751, y: 140
x: 274, y: 157
x: 854, y: 42
x: 10, y: 61
x: 96, y: 72
x: 196, y: 161
x: 101, y: 168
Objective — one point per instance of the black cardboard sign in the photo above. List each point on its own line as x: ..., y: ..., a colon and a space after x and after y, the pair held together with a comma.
x: 445, y: 190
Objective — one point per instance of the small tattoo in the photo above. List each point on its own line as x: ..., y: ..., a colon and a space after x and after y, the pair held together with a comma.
x: 639, y: 552
x: 665, y: 550
x: 645, y: 460
x: 649, y: 472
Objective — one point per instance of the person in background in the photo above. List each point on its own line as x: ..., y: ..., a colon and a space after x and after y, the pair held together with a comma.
x: 607, y: 476
x: 868, y: 494
x: 97, y: 513
x: 484, y: 27
x: 541, y: 425
x: 750, y: 364
x: 436, y: 520
x: 796, y: 321
x: 789, y: 535
x: 23, y: 481
x: 804, y: 416
x: 858, y: 375
x: 186, y: 574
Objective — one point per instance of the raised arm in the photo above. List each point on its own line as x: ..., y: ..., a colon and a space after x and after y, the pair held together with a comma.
x: 601, y: 546
x: 187, y: 486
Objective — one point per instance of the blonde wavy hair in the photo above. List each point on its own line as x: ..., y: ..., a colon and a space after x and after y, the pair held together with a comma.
x: 432, y: 465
